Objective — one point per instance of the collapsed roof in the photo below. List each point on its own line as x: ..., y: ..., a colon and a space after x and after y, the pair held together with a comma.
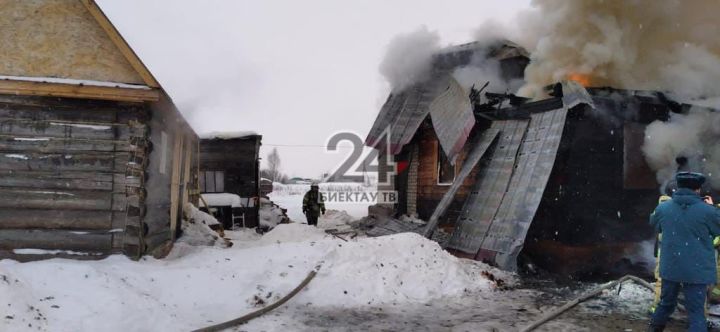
x: 441, y: 97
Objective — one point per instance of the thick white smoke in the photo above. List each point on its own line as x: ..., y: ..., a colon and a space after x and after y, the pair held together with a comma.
x: 695, y: 136
x: 668, y: 45
x: 634, y: 44
x: 408, y: 58
x: 481, y: 71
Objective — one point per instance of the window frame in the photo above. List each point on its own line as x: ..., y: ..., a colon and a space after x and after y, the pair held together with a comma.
x: 439, y: 159
x: 215, y: 176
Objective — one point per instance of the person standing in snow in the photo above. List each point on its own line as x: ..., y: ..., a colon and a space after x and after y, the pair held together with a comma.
x: 313, y: 204
x: 688, y: 262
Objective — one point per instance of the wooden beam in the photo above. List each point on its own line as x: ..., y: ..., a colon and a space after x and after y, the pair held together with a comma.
x: 175, y: 184
x: 187, y: 146
x: 27, y: 88
x: 11, y: 218
x: 121, y: 43
x: 53, y: 239
x: 20, y: 198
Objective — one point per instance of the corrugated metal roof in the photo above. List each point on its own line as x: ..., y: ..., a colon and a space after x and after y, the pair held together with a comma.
x: 405, y: 110
x: 534, y: 163
x: 452, y: 118
x: 492, y: 182
x: 497, y: 215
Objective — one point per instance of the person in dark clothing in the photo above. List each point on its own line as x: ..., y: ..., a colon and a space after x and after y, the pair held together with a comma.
x: 688, y: 225
x: 313, y: 204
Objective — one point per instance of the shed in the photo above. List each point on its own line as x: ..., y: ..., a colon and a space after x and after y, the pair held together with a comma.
x: 94, y: 156
x: 230, y: 163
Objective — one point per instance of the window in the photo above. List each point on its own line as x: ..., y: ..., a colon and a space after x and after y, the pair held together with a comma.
x: 446, y: 171
x: 212, y: 181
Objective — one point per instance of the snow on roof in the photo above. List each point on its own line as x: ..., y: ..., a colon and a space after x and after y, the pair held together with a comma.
x: 74, y: 82
x: 228, y: 134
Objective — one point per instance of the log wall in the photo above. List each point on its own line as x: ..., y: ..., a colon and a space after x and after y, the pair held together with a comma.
x: 72, y: 174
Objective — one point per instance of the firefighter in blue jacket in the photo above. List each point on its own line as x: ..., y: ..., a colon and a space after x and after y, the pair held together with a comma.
x: 687, y: 262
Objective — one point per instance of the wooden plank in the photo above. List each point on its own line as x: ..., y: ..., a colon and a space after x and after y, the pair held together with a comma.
x: 185, y: 180
x: 54, y: 240
x: 82, y: 256
x: 71, y: 110
x: 15, y: 144
x: 117, y: 182
x: 55, y: 219
x: 175, y: 183
x: 98, y: 176
x: 26, y: 88
x: 480, y: 147
x: 103, y: 162
x: 61, y: 199
x: 64, y: 129
x: 37, y: 181
x: 120, y: 42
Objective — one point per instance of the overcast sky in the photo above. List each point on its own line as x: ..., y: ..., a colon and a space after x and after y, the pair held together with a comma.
x: 293, y: 71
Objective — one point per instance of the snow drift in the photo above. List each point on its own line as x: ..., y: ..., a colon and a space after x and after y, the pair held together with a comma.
x: 212, y: 284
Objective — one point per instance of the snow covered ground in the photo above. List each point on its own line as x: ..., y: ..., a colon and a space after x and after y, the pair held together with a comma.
x: 290, y: 197
x: 198, y: 286
x: 402, y: 282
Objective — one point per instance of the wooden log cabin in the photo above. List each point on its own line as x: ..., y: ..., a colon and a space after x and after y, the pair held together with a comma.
x: 95, y: 158
x: 230, y: 163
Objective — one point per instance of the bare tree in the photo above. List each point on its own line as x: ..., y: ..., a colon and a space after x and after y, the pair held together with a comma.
x: 274, y: 165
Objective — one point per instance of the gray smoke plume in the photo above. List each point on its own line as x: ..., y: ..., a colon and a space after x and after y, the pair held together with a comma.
x: 482, y: 70
x: 695, y: 136
x: 408, y: 58
x: 634, y: 44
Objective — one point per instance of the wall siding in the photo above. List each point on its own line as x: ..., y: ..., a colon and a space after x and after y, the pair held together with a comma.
x: 63, y: 168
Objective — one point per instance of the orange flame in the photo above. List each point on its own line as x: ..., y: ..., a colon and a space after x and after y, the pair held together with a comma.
x: 582, y: 79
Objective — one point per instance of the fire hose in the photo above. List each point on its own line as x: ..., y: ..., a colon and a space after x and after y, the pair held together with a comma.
x: 557, y: 312
x: 246, y: 318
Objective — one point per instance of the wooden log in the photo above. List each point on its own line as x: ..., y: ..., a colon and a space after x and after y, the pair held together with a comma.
x: 61, y: 199
x: 26, y: 88
x: 94, y: 255
x: 69, y: 180
x: 16, y: 218
x: 30, y: 128
x: 54, y: 240
x: 99, y: 176
x: 175, y: 208
x: 15, y: 144
x: 52, y: 181
x: 156, y: 240
x: 100, y: 161
x: 56, y: 109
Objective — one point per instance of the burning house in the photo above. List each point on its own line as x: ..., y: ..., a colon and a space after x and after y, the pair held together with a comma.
x: 95, y: 157
x: 566, y: 180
